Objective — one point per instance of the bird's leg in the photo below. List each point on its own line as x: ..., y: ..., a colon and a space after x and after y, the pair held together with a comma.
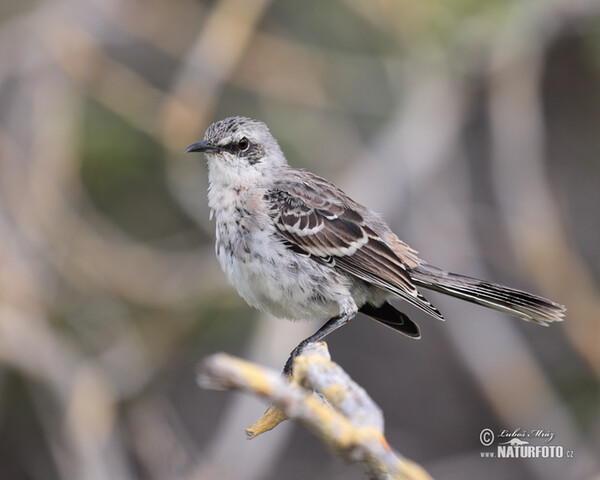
x: 331, y: 325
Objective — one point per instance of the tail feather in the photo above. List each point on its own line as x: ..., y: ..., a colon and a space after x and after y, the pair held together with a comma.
x: 392, y: 318
x: 498, y: 297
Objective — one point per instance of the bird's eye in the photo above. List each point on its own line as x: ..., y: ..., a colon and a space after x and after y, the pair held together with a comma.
x: 243, y: 144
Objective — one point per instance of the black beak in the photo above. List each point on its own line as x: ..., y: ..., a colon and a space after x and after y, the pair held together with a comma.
x: 202, y: 147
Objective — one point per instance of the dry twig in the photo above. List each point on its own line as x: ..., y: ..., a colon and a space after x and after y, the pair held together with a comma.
x: 324, y: 399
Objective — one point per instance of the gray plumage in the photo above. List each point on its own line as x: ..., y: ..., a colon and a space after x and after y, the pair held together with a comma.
x: 295, y: 246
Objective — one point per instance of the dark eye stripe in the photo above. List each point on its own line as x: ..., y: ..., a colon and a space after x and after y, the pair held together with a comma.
x: 253, y: 153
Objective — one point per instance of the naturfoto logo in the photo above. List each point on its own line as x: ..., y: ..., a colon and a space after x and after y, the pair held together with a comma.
x: 517, y: 443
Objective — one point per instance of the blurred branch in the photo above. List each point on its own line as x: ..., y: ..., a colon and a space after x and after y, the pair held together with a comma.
x: 525, y: 197
x: 227, y: 32
x: 81, y: 243
x: 168, y: 26
x: 83, y: 57
x: 341, y: 413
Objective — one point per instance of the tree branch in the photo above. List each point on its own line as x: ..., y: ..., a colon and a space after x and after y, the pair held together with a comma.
x: 324, y: 399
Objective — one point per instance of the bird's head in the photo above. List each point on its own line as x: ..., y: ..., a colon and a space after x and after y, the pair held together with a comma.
x: 240, y: 151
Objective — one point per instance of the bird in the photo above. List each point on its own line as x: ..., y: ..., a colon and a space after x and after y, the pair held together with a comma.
x: 297, y: 247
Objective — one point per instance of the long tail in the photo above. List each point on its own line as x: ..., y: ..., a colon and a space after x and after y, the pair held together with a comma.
x: 505, y: 299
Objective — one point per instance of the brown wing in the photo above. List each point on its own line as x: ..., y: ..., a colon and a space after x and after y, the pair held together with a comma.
x: 317, y: 218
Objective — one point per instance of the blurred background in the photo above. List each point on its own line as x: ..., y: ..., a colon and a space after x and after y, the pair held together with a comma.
x: 472, y: 126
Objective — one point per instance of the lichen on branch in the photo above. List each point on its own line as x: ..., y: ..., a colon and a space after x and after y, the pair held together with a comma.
x: 324, y: 399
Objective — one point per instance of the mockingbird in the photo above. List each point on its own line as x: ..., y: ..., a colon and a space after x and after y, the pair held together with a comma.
x: 296, y: 246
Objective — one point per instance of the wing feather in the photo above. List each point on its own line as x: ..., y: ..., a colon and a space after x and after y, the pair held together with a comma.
x: 316, y: 217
